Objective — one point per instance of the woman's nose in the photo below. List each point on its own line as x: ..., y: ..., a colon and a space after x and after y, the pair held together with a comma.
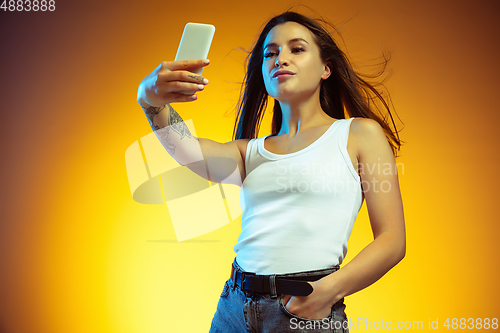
x: 281, y: 61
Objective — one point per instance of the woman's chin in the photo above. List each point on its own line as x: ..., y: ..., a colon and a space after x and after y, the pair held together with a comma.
x: 282, y: 96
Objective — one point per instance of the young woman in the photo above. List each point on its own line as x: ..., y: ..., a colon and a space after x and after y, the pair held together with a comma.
x: 302, y: 186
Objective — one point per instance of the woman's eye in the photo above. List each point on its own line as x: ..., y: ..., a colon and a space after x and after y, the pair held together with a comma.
x: 269, y: 54
x: 297, y: 49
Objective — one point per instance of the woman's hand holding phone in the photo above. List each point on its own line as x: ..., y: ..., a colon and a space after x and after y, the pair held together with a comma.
x: 172, y: 81
x: 180, y: 80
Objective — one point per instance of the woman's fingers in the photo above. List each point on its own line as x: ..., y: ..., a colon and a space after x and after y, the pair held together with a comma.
x: 182, y: 76
x: 172, y: 82
x: 181, y: 87
x: 180, y: 98
x: 191, y: 77
x: 185, y: 65
x: 286, y: 299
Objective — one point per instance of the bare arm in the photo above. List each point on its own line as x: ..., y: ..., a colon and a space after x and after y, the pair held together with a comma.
x: 170, y: 82
x: 164, y: 120
x: 385, y: 209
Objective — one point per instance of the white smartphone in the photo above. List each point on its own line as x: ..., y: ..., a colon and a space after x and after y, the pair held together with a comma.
x: 195, y: 43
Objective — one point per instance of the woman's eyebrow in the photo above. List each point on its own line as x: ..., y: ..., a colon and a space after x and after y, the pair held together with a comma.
x: 291, y: 41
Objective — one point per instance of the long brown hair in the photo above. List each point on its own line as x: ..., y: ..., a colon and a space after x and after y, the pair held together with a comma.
x: 344, y: 90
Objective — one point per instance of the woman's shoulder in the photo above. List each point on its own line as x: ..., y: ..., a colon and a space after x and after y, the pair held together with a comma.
x: 368, y: 135
x: 366, y: 128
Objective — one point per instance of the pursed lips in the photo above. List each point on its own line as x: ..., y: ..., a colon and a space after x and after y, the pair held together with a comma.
x: 280, y: 74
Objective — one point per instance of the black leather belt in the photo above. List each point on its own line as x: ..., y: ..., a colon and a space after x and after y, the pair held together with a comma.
x: 251, y: 282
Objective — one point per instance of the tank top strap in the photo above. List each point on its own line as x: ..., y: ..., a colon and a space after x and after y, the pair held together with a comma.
x: 344, y: 132
x: 342, y: 141
x: 251, y: 153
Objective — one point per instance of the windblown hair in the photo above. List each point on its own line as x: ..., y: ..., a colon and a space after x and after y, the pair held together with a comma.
x: 345, y: 91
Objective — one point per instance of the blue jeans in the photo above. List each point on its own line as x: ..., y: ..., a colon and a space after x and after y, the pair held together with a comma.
x: 240, y: 312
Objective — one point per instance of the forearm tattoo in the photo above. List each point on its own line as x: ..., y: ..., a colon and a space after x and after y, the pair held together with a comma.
x: 165, y: 140
x: 175, y: 123
x: 151, y: 112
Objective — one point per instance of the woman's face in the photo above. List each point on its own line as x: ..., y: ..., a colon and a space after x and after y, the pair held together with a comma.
x: 292, y: 67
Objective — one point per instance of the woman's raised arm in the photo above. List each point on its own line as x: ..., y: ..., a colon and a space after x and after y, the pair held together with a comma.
x: 173, y: 82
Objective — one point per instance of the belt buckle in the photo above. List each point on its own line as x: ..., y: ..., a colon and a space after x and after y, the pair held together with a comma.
x: 243, y: 274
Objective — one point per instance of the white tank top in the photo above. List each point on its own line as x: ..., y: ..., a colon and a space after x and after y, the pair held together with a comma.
x: 299, y: 208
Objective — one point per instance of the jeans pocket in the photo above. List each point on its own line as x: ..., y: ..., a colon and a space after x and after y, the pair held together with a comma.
x: 225, y: 290
x: 283, y: 308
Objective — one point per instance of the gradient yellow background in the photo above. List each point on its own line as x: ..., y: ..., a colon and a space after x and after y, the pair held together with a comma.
x: 78, y: 255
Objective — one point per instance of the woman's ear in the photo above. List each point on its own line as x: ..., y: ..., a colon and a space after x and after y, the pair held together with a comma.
x: 327, y: 71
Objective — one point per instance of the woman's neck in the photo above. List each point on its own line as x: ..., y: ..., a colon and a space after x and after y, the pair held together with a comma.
x: 300, y: 116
